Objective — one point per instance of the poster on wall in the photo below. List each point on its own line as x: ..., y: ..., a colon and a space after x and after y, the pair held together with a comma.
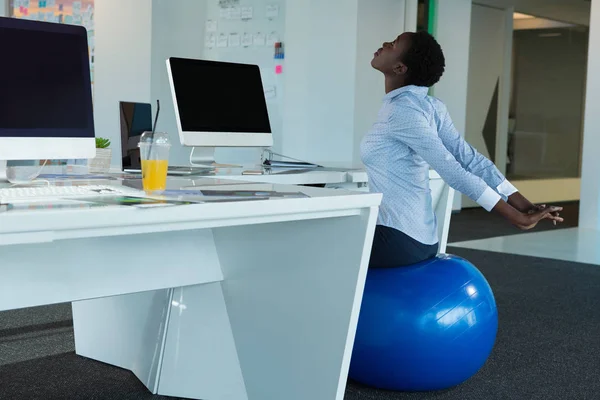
x: 72, y: 12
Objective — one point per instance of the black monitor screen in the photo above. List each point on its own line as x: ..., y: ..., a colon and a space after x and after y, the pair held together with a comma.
x: 219, y: 97
x: 45, y: 88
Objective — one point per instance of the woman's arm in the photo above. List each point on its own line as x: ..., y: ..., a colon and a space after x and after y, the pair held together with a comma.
x: 475, y: 162
x: 412, y: 127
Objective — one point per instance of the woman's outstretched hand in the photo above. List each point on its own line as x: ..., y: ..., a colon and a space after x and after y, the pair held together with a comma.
x: 528, y: 219
x: 539, y: 213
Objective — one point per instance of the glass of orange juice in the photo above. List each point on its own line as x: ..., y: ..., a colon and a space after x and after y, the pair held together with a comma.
x: 154, y: 157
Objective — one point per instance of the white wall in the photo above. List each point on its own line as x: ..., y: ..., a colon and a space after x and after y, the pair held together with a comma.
x: 176, y: 32
x: 381, y: 20
x: 319, y: 85
x: 122, y: 63
x: 332, y: 94
x: 4, y: 8
x: 452, y: 30
x: 590, y: 184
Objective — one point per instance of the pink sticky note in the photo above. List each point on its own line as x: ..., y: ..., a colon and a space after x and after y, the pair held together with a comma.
x: 21, y: 9
x: 26, y: 11
x: 279, y: 69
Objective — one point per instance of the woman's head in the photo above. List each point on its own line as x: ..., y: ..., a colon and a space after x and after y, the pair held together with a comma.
x: 413, y: 58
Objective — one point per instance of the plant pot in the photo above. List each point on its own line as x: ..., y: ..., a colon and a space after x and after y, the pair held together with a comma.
x: 100, y: 163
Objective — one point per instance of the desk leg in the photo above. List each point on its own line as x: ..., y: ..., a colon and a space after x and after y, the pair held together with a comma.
x: 293, y: 292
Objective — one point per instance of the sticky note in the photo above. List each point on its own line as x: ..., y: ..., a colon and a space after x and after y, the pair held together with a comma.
x: 234, y: 40
x: 76, y: 8
x: 223, y: 40
x: 235, y: 13
x: 260, y: 39
x: 247, y: 39
x: 211, y: 41
x: 272, y: 38
x: 270, y: 92
x: 279, y: 69
x: 247, y: 13
x: 211, y: 26
x: 272, y: 11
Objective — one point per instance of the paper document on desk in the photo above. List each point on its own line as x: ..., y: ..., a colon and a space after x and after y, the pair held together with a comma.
x: 138, y: 202
x: 214, y: 196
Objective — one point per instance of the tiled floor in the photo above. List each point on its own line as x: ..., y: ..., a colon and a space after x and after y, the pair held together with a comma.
x: 575, y: 244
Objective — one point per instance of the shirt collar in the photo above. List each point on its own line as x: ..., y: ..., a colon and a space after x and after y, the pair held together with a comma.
x: 418, y: 90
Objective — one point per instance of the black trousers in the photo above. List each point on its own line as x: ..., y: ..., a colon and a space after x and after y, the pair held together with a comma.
x: 392, y: 248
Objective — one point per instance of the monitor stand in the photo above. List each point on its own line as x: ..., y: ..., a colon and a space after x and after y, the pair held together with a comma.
x: 204, y: 157
x: 3, y: 178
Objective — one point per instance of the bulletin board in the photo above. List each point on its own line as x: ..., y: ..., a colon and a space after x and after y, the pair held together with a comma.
x: 72, y: 12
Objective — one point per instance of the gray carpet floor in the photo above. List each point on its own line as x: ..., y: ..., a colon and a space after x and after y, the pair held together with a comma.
x: 548, y: 344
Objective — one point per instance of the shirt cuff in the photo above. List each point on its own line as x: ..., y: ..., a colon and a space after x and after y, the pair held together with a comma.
x: 506, y: 188
x: 488, y: 199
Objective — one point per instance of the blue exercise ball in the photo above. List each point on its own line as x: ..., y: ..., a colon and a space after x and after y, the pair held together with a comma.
x: 425, y: 327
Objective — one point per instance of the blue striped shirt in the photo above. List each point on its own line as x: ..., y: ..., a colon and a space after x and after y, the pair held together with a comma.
x: 414, y: 132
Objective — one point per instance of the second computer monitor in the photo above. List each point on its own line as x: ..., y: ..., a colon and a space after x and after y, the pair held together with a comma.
x: 219, y: 104
x: 45, y: 91
x: 136, y: 118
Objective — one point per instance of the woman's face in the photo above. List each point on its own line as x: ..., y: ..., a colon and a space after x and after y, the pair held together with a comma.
x: 388, y: 58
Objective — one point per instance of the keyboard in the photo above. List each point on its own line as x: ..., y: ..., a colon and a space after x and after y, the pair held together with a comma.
x: 46, y: 193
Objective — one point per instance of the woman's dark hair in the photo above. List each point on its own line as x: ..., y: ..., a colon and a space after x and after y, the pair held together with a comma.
x: 424, y: 59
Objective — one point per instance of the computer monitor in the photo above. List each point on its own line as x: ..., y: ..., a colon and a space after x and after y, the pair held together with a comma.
x: 136, y: 118
x: 45, y: 91
x: 218, y: 104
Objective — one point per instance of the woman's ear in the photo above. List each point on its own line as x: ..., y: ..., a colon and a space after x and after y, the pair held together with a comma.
x: 400, y: 69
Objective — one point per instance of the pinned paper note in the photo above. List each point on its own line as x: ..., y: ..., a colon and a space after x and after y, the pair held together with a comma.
x: 223, y: 40
x: 260, y: 39
x: 225, y: 13
x: 234, y: 40
x: 211, y: 41
x: 211, y: 26
x: 51, y: 3
x: 272, y: 11
x: 272, y: 38
x: 76, y: 8
x: 235, y: 13
x: 247, y: 39
x: 270, y: 92
x: 50, y: 16
x: 247, y: 13
x: 279, y: 69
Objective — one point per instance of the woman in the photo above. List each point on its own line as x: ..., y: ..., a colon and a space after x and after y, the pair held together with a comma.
x: 413, y: 132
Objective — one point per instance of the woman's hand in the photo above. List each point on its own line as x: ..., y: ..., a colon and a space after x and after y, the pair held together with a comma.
x: 528, y: 220
x: 533, y: 217
x: 522, y: 204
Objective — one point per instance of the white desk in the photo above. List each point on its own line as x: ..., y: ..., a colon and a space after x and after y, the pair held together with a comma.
x: 349, y: 178
x: 248, y: 300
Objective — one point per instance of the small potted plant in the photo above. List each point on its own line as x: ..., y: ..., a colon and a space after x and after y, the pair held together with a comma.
x: 101, y: 163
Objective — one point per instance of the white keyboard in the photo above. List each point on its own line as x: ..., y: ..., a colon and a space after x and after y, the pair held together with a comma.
x: 45, y: 193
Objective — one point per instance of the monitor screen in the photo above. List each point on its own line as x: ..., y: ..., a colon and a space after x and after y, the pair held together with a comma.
x: 45, y: 88
x: 219, y: 97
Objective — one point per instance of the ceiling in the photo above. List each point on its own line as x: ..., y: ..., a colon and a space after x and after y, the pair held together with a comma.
x: 572, y: 11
